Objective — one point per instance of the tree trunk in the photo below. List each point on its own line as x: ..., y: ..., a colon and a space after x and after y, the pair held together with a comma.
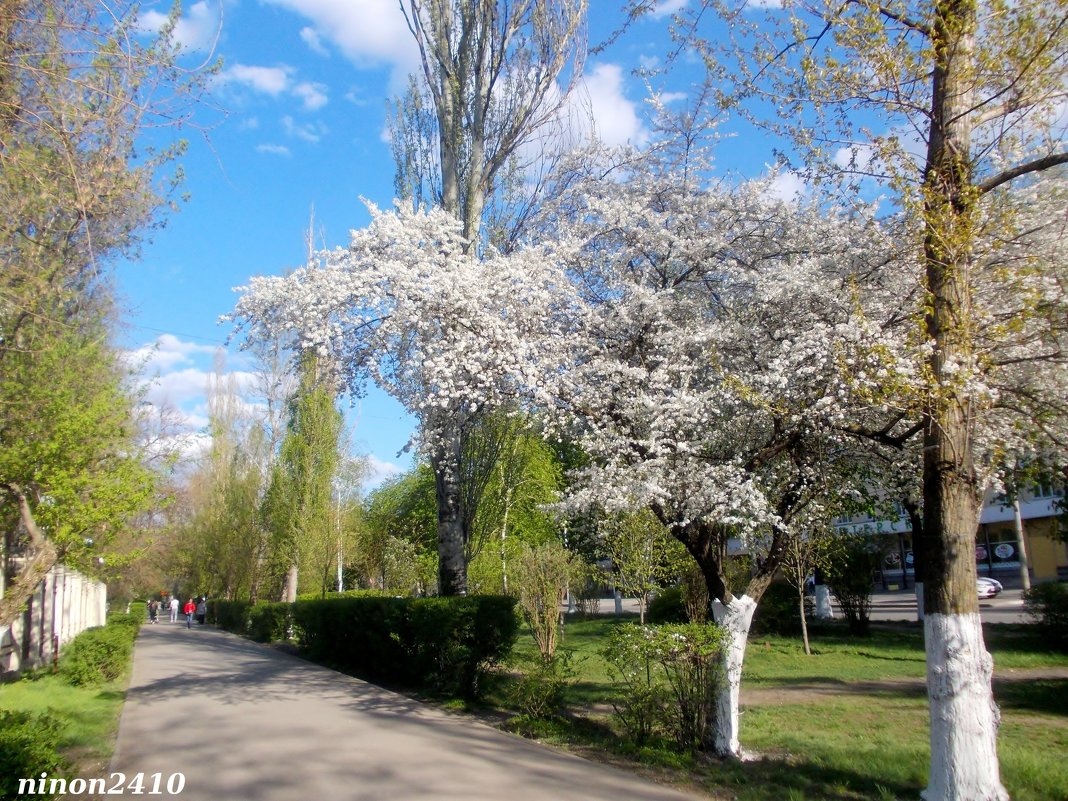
x: 1021, y: 545
x: 804, y: 620
x: 292, y: 578
x: 452, y: 566
x: 735, y: 618
x: 43, y: 557
x: 964, y: 718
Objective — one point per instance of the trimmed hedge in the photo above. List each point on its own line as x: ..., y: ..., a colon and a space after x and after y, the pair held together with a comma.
x: 29, y: 746
x: 98, y: 655
x: 269, y: 622
x: 443, y: 645
x: 230, y: 615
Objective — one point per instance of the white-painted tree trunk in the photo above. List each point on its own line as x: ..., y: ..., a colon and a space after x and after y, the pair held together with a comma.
x: 919, y: 600
x: 824, y: 610
x: 735, y: 618
x: 964, y: 717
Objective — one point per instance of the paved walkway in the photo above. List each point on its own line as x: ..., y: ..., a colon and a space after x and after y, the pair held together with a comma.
x: 244, y: 722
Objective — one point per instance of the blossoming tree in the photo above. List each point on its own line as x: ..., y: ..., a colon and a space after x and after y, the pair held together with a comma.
x: 725, y: 350
x: 447, y: 334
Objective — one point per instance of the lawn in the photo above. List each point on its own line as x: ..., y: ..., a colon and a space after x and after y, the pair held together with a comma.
x: 88, y: 716
x: 847, y: 723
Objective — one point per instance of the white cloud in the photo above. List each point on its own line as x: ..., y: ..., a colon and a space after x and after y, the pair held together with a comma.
x: 378, y: 471
x: 271, y: 81
x: 306, y: 131
x: 274, y: 150
x: 366, y: 31
x: 166, y: 352
x: 665, y: 7
x: 194, y: 31
x: 311, y: 38
x: 614, y: 116
x: 787, y: 186
x: 313, y: 95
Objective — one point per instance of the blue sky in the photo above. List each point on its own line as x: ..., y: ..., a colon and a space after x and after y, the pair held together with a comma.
x: 296, y: 121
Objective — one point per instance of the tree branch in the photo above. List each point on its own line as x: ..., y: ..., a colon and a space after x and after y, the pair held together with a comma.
x: 1038, y: 165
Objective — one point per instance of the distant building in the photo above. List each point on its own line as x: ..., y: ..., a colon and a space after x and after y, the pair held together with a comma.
x: 996, y: 553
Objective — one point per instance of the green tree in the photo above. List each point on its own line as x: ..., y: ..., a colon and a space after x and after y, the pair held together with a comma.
x: 644, y: 554
x: 78, y: 85
x: 298, y: 506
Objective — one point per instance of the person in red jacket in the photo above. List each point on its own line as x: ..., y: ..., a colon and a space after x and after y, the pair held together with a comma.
x: 189, y: 609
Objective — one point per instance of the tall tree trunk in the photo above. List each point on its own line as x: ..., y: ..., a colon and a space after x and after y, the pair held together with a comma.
x: 41, y: 559
x: 452, y: 565
x: 964, y: 718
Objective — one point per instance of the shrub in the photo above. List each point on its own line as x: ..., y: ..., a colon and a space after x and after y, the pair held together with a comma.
x: 443, y: 645
x: 1047, y: 604
x: 124, y: 619
x: 667, y: 607
x: 639, y: 705
x: 230, y: 615
x: 542, y: 574
x: 777, y: 612
x: 669, y: 676
x: 539, y: 691
x: 139, y: 608
x: 97, y: 655
x: 269, y: 622
x: 28, y: 747
x: 849, y: 573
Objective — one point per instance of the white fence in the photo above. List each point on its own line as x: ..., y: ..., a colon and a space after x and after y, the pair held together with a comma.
x: 64, y: 604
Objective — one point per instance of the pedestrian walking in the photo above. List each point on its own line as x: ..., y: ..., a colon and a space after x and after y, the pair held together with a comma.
x: 202, y: 610
x: 174, y: 609
x: 153, y: 610
x: 189, y: 609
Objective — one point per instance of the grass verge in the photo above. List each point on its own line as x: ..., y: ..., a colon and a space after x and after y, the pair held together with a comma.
x: 848, y: 723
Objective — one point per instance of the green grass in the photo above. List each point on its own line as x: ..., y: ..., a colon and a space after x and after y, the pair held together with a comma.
x: 849, y: 723
x: 89, y: 716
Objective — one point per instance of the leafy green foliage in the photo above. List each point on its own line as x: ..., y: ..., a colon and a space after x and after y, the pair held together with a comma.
x: 668, y: 676
x: 849, y: 572
x: 444, y: 645
x: 230, y: 615
x: 778, y: 612
x: 539, y: 691
x: 1048, y: 605
x: 667, y: 606
x: 270, y: 622
x: 28, y: 747
x: 98, y: 655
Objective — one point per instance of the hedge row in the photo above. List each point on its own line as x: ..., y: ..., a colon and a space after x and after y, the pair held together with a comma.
x: 100, y: 654
x: 444, y: 645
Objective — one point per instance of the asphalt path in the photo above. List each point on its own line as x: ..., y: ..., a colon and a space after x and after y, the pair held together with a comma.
x: 245, y: 722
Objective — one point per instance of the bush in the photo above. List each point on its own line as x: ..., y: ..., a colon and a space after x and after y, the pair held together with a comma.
x: 539, y: 691
x: 123, y: 619
x: 230, y: 615
x: 28, y: 747
x: 849, y: 573
x: 667, y: 607
x: 139, y: 608
x: 669, y: 676
x: 777, y: 612
x: 270, y: 622
x: 1047, y: 604
x: 443, y: 645
x: 97, y: 655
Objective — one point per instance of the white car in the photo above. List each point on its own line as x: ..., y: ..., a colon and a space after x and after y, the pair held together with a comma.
x: 988, y: 587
